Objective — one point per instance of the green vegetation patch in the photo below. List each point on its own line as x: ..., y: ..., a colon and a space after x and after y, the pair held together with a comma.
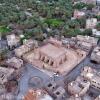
x: 54, y: 22
x: 80, y: 5
x: 4, y: 29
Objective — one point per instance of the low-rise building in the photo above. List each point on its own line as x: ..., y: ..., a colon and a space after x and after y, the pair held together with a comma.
x: 51, y: 86
x: 84, y: 45
x: 80, y: 86
x: 12, y: 40
x: 15, y: 62
x: 5, y: 73
x: 59, y: 93
x: 95, y: 56
x: 31, y: 43
x: 37, y: 95
x: 26, y: 47
x: 82, y: 42
x: 95, y: 32
x: 78, y: 14
x: 91, y: 75
x: 86, y: 42
x: 91, y: 23
x: 87, y: 39
x: 7, y: 96
x: 98, y: 2
x: 55, y: 90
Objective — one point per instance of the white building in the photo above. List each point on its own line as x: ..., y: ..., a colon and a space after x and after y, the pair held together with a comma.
x: 5, y: 73
x: 98, y: 2
x: 95, y: 56
x: 95, y: 32
x: 91, y: 23
x: 92, y: 75
x: 80, y: 86
x: 12, y: 40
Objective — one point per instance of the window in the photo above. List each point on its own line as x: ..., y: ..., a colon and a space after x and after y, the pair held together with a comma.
x: 58, y: 93
x: 47, y: 61
x: 51, y: 63
x: 49, y: 85
x: 43, y: 58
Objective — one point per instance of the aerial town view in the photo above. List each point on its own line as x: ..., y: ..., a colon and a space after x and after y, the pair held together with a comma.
x: 49, y: 49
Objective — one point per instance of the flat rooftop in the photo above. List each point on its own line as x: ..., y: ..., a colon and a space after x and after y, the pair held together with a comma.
x: 52, y: 50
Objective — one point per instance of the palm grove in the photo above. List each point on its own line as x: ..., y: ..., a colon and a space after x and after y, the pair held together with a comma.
x: 34, y: 17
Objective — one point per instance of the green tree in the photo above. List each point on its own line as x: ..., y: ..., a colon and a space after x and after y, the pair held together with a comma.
x: 82, y: 22
x: 73, y: 24
x: 98, y: 26
x: 90, y: 6
x: 87, y: 32
x: 79, y: 5
x: 98, y: 17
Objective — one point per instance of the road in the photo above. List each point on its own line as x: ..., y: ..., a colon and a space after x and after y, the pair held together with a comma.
x: 30, y: 72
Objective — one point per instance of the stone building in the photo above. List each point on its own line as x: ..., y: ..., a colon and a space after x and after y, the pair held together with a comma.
x: 80, y: 86
x: 37, y: 95
x: 91, y: 75
x: 51, y: 86
x: 26, y: 47
x: 95, y: 56
x: 87, y: 39
x: 91, y: 23
x: 5, y: 73
x: 85, y: 42
x: 13, y: 41
x: 15, y: 62
x: 59, y: 93
x: 78, y: 14
x: 80, y: 42
x: 55, y: 90
x: 31, y: 43
x: 54, y: 57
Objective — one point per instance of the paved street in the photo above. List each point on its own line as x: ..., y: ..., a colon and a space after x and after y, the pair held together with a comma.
x: 30, y: 72
x: 3, y: 44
